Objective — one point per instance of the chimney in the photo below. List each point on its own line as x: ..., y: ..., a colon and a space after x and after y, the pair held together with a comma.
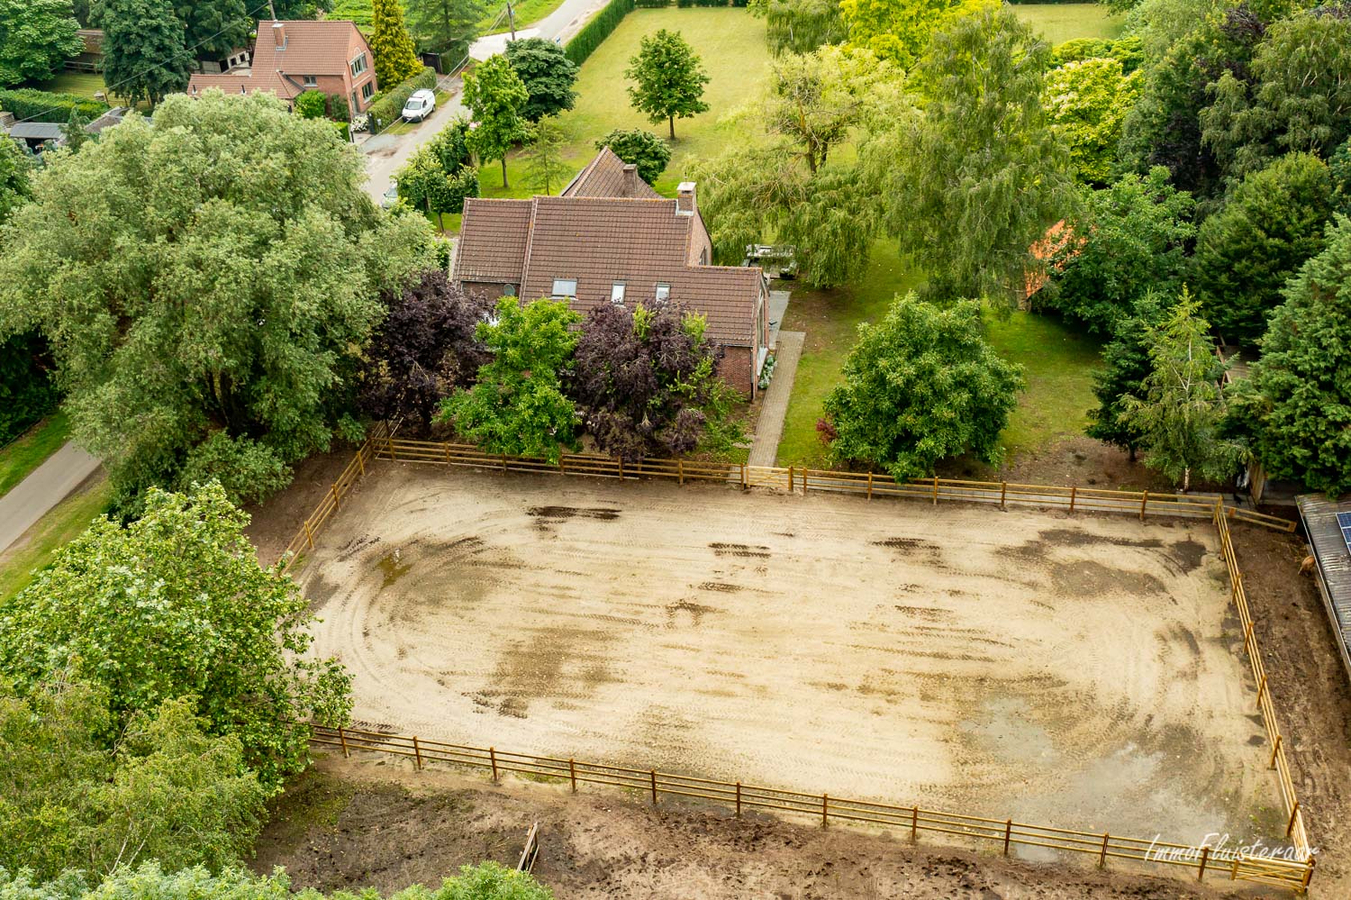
x: 685, y: 199
x: 6, y: 120
x: 630, y: 180
x: 279, y: 34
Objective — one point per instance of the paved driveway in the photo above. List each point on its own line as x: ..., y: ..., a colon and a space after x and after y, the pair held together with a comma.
x: 45, y: 486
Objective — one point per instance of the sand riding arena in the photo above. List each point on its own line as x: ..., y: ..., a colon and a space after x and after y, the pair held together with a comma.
x: 1084, y: 671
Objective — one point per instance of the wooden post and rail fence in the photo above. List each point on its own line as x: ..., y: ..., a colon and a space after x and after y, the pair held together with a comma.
x: 383, y: 444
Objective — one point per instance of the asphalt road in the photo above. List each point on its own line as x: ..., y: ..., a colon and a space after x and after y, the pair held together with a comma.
x: 45, y: 486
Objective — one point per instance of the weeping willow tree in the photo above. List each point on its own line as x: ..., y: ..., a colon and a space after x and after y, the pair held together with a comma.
x: 800, y: 26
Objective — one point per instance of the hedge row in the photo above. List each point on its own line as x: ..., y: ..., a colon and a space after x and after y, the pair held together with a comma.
x: 41, y: 106
x: 388, y: 104
x: 593, y: 33
x: 685, y: 4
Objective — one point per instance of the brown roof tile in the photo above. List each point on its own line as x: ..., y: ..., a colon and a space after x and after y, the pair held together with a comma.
x: 311, y: 48
x: 492, y: 242
x: 608, y: 176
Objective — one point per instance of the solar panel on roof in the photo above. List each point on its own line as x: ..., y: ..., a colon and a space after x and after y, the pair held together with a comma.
x: 1344, y: 522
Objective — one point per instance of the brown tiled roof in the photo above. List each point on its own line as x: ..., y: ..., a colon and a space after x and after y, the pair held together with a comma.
x: 598, y: 241
x: 312, y: 48
x: 605, y: 176
x: 492, y: 241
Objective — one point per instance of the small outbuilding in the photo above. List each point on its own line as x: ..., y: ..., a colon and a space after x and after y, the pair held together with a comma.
x: 1328, y: 525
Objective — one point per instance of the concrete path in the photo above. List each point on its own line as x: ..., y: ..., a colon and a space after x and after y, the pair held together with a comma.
x: 769, y: 428
x: 45, y: 486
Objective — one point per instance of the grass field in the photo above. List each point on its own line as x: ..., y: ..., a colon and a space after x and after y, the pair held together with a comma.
x: 62, y: 523
x: 26, y: 453
x: 732, y: 46
x: 1060, y: 22
x: 82, y: 84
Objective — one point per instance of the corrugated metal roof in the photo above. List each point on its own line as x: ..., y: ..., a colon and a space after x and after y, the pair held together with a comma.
x: 1319, y: 515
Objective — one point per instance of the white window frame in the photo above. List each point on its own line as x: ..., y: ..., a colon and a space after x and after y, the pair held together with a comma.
x: 360, y: 59
x: 617, y: 291
x: 663, y: 292
x: 311, y: 81
x: 559, y: 295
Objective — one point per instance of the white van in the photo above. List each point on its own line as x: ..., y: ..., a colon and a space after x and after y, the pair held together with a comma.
x: 419, y: 106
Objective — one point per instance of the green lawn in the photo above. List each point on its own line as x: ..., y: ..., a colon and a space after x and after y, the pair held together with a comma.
x: 62, y: 523
x: 26, y: 453
x: 1060, y: 22
x: 83, y: 84
x: 732, y: 46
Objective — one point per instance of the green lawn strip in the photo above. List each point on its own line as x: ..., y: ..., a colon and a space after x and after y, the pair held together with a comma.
x: 83, y: 84
x: 26, y: 453
x: 732, y: 46
x: 61, y: 523
x: 1060, y: 22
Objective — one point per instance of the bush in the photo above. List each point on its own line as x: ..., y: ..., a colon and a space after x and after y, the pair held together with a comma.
x: 27, y: 392
x: 585, y: 42
x: 311, y: 105
x: 248, y: 470
x: 41, y: 106
x: 388, y: 104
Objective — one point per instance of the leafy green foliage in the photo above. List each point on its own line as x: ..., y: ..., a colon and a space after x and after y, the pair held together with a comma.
x: 641, y: 148
x: 311, y: 104
x: 1300, y: 98
x: 213, y: 269
x: 144, y: 49
x: 1128, y: 240
x: 544, y: 158
x: 548, y: 76
x: 41, y: 106
x: 248, y: 470
x: 1125, y: 366
x: 518, y: 406
x: 175, y: 605
x: 496, y: 96
x: 486, y: 881
x: 1271, y: 224
x: 800, y: 26
x: 16, y: 171
x: 920, y: 386
x: 426, y: 184
x: 1180, y: 414
x: 1300, y: 400
x: 77, y: 794
x: 36, y: 36
x: 215, y: 27
x: 445, y: 26
x: 668, y: 79
x: 897, y: 30
x: 27, y: 392
x: 972, y: 184
x: 1087, y: 101
x: 1127, y: 50
x: 395, y: 59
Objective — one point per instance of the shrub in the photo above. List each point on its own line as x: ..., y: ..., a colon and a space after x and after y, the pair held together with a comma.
x: 27, y: 392
x: 388, y: 104
x: 42, y: 106
x: 642, y: 148
x: 311, y: 105
x: 585, y: 42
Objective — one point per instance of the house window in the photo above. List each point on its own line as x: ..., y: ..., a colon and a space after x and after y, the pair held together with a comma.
x: 617, y: 293
x: 367, y: 90
x: 703, y: 257
x: 663, y: 292
x: 358, y: 65
x: 508, y: 290
x: 565, y: 287
x: 311, y: 81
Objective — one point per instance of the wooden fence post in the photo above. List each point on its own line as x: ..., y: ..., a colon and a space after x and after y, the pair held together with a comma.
x: 653, y: 773
x: 1143, y: 500
x: 445, y: 446
x: 743, y: 476
x: 870, y: 485
x: 825, y: 801
x: 680, y: 468
x: 334, y: 491
x: 804, y: 482
x: 309, y: 535
x: 342, y: 739
x: 572, y: 773
x: 935, y: 490
x: 1205, y: 858
x: 914, y: 824
x: 738, y: 799
x: 1003, y: 493
x: 1102, y: 855
x: 1294, y: 813
x: 621, y: 467
x: 791, y: 479
x: 361, y: 463
x: 492, y: 758
x: 1008, y: 835
x: 1262, y: 686
x: 389, y: 445
x: 417, y: 754
x: 504, y: 462
x: 562, y: 465
x: 1274, y: 751
x: 1073, y: 490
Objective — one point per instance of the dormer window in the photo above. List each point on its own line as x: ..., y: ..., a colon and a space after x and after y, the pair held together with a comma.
x: 663, y: 292
x: 564, y: 287
x: 617, y: 293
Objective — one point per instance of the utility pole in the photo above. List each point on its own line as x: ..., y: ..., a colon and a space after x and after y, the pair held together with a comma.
x: 511, y: 15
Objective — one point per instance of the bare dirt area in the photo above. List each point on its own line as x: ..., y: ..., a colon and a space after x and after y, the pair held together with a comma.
x: 276, y: 520
x: 372, y: 823
x: 1080, y: 672
x: 1309, y: 686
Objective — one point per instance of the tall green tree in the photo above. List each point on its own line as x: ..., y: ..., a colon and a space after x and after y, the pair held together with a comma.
x: 1087, y: 101
x: 496, y: 97
x: 1179, y: 417
x: 668, y: 79
x: 548, y: 76
x: 1127, y: 239
x: 643, y: 149
x: 215, y: 28
x: 445, y: 26
x: 1272, y: 222
x: 1125, y: 366
x: 544, y: 158
x: 145, y: 55
x: 518, y: 406
x: 920, y: 386
x: 395, y: 58
x: 78, y: 793
x: 799, y: 26
x: 16, y: 172
x: 1299, y: 400
x: 175, y: 605
x: 975, y: 181
x: 213, y: 270
x: 898, y: 30
x: 36, y: 36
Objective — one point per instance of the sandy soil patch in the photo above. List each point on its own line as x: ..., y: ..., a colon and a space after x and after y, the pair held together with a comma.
x: 1083, y: 672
